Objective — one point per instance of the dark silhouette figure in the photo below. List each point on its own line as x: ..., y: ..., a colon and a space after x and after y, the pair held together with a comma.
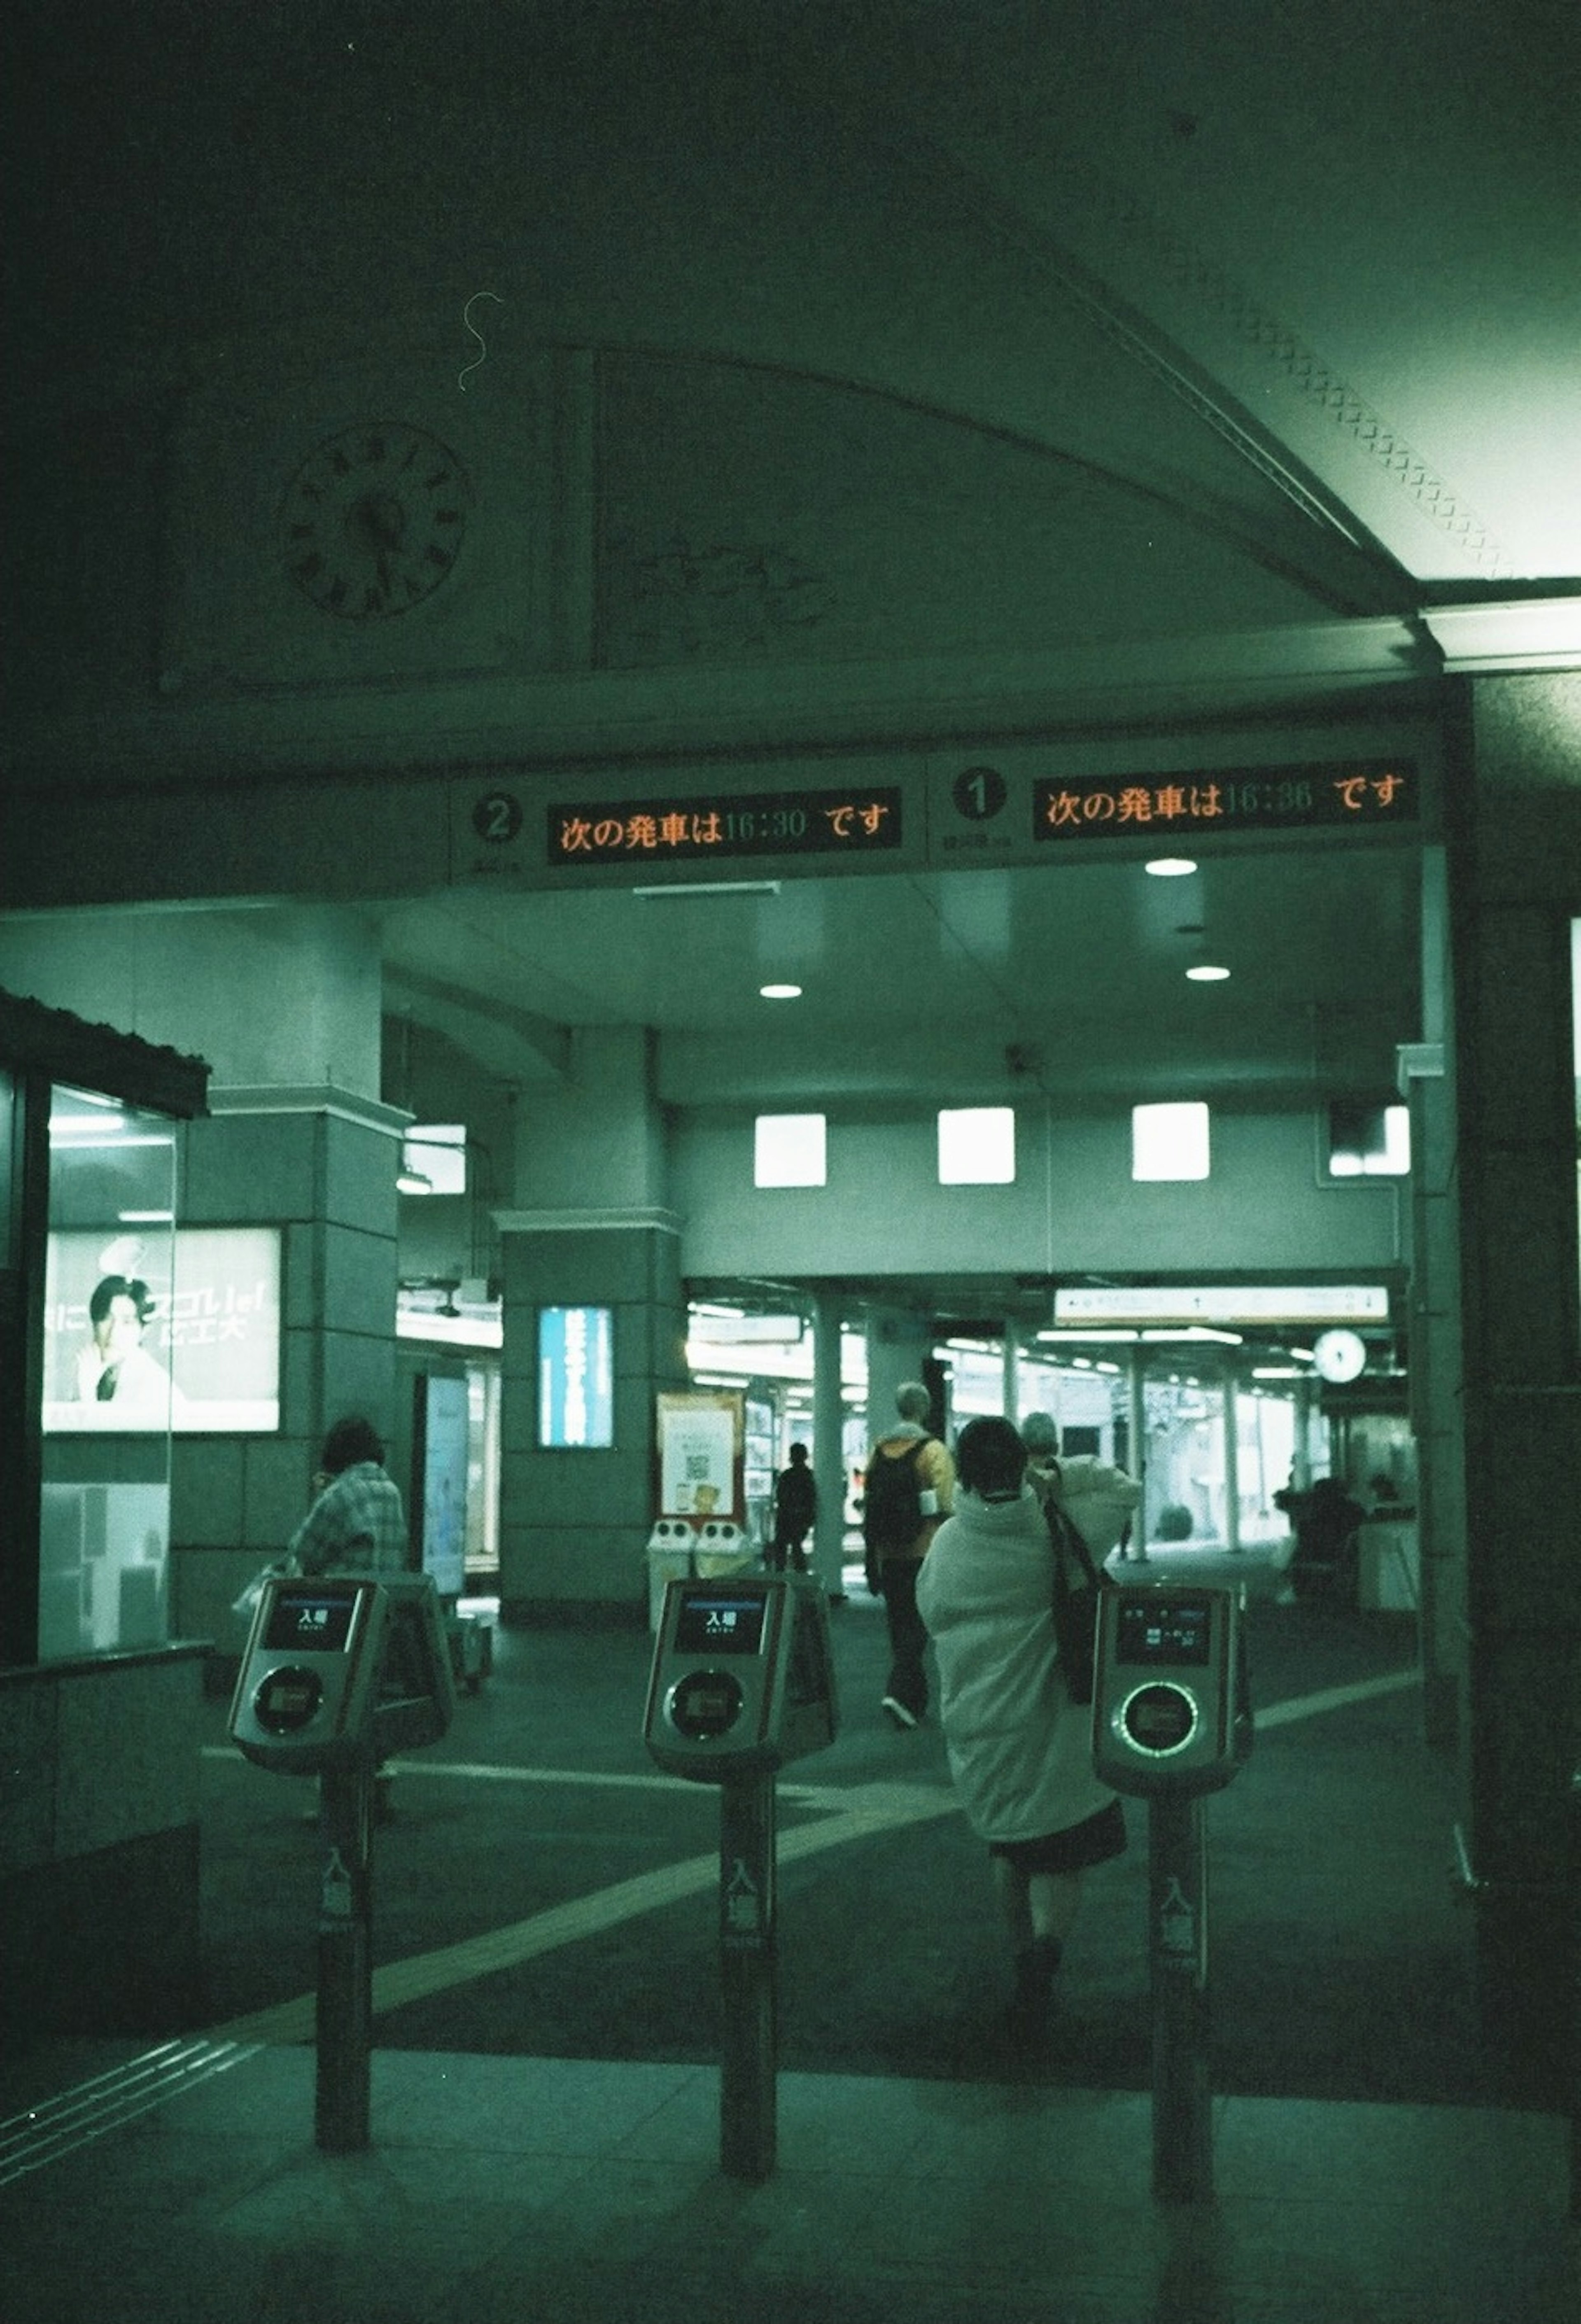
x: 795, y: 1507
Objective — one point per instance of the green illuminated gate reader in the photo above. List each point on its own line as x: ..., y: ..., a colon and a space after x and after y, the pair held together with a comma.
x: 1170, y: 1712
x: 340, y: 1672
x: 743, y: 1677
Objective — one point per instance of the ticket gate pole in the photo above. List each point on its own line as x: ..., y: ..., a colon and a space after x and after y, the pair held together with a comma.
x: 747, y: 1975
x: 344, y: 2012
x: 1182, y: 2099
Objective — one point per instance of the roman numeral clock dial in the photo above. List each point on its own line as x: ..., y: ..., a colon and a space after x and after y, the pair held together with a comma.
x: 373, y: 521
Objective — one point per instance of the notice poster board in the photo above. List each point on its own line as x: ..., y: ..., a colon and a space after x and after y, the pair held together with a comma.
x: 440, y: 1444
x: 702, y: 1444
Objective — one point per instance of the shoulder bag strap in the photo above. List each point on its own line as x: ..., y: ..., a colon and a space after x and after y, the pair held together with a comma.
x: 1066, y: 1536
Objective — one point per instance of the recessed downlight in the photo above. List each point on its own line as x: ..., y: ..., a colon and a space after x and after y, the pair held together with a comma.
x: 1204, y: 973
x: 1169, y: 867
x: 780, y: 992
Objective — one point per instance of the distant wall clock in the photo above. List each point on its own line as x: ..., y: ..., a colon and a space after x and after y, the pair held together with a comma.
x: 373, y: 520
x: 1341, y: 1355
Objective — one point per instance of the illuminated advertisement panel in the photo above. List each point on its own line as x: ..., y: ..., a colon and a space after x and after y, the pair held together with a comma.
x: 191, y: 1344
x: 576, y: 1377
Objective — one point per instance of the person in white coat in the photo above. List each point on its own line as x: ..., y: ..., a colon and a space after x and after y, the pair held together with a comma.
x: 1019, y: 1749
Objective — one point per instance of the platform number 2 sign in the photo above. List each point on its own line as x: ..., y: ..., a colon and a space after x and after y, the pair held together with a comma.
x: 497, y: 818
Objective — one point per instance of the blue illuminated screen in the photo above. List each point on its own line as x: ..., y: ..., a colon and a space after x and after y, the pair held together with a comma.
x: 576, y: 1377
x: 1165, y: 1629
x: 719, y: 1621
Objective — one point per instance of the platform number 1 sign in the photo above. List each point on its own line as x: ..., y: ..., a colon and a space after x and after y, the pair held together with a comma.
x: 979, y: 793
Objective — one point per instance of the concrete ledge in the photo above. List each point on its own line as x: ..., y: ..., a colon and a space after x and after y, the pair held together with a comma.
x: 104, y: 1943
x: 573, y: 1614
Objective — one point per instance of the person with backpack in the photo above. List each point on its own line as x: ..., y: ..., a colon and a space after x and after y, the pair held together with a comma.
x: 907, y: 1492
x: 795, y: 1507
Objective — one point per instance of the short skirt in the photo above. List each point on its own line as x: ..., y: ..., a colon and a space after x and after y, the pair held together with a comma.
x: 1092, y: 1841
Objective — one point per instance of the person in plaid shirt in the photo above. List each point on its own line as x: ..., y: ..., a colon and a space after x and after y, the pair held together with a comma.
x: 356, y: 1524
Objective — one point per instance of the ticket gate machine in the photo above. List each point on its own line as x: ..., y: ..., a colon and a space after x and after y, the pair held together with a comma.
x: 1171, y: 1722
x: 743, y: 1678
x: 1170, y: 1710
x: 340, y: 1671
x: 743, y: 1683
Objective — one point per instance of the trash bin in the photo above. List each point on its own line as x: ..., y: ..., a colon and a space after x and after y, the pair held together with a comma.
x: 723, y: 1549
x: 669, y: 1559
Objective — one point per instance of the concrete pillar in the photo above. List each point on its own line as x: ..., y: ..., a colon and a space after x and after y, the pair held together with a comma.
x: 574, y: 1521
x: 898, y: 1348
x: 1136, y: 1391
x: 1427, y: 1082
x: 1515, y: 806
x: 593, y: 1231
x: 1232, y: 1459
x: 1301, y: 1464
x: 1010, y: 1394
x: 828, y: 1442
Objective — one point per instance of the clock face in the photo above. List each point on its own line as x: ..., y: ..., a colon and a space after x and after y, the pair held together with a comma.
x: 373, y: 521
x: 1341, y: 1355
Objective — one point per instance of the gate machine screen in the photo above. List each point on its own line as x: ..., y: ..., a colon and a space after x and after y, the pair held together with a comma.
x: 743, y: 1679
x: 1169, y: 1710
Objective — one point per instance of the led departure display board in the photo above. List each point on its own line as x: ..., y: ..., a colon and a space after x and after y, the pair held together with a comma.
x: 861, y: 819
x: 1374, y: 792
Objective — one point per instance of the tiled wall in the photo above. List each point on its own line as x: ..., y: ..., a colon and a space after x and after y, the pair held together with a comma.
x: 328, y: 1177
x: 99, y: 1920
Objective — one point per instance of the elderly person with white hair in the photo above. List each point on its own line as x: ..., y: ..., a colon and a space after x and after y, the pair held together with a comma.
x: 1099, y: 1498
x: 907, y: 1493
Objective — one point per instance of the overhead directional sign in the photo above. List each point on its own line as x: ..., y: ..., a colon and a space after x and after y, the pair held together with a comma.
x: 1222, y: 1303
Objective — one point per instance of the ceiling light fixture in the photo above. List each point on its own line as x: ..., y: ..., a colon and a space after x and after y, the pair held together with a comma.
x: 708, y: 888
x: 1169, y: 867
x: 1204, y: 975
x: 779, y: 992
